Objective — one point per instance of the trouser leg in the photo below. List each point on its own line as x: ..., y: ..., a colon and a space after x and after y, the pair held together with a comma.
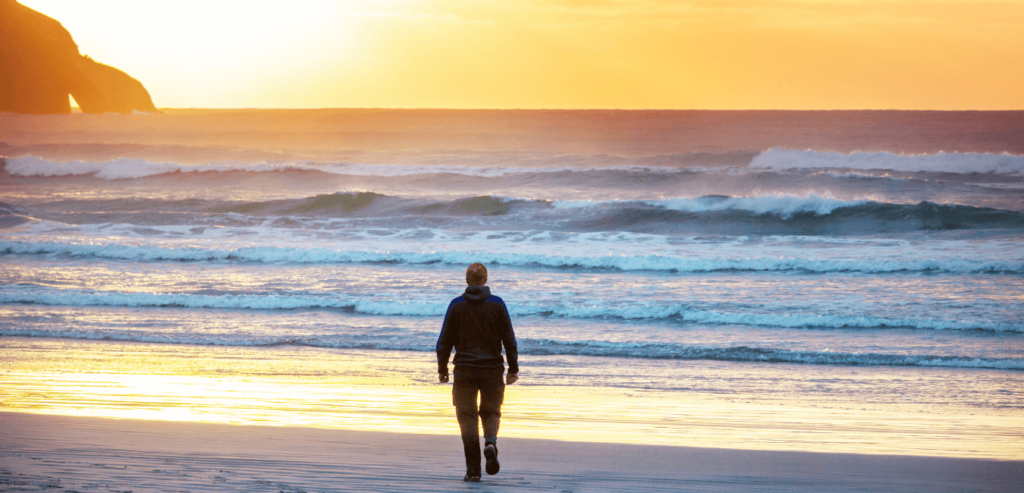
x: 492, y: 395
x: 464, y: 392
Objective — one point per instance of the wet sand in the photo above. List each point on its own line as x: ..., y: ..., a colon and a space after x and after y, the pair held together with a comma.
x: 39, y: 452
x: 702, y: 404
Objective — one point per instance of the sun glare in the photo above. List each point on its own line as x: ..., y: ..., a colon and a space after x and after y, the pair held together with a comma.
x: 524, y: 54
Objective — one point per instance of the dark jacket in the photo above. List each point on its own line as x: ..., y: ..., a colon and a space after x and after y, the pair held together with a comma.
x: 477, y: 325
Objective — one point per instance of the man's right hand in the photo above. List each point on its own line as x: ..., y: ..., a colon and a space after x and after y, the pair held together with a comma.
x: 442, y: 377
x: 511, y: 378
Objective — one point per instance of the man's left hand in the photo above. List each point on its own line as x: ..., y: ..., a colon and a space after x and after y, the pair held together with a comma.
x: 511, y: 378
x: 442, y: 377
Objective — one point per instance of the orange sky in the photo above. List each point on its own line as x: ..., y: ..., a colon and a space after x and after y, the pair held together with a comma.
x: 713, y: 54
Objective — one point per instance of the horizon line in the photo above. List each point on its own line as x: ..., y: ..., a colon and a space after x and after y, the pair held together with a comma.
x: 426, y: 108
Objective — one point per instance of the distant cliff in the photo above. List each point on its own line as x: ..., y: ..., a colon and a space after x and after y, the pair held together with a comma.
x: 40, y: 65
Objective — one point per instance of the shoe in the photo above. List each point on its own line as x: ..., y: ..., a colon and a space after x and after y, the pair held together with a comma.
x: 491, y: 453
x: 471, y: 479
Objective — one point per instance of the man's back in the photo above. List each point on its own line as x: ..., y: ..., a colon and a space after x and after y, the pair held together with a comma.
x: 477, y: 324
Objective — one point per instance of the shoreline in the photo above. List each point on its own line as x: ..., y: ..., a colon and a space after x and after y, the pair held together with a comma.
x: 861, y: 410
x: 80, y: 453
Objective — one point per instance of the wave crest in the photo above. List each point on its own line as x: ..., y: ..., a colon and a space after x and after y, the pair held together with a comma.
x: 617, y: 262
x: 549, y: 347
x: 942, y: 162
x: 782, y: 205
x: 127, y: 168
x: 281, y: 301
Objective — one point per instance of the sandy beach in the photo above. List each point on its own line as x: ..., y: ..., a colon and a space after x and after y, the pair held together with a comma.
x: 107, y: 416
x: 93, y: 454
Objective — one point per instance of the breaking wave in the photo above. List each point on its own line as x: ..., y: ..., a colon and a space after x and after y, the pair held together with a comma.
x: 806, y: 214
x: 765, y: 214
x: 772, y: 159
x: 759, y: 355
x: 941, y: 162
x: 617, y: 262
x: 549, y: 347
x: 126, y: 168
x: 283, y: 301
x: 781, y: 205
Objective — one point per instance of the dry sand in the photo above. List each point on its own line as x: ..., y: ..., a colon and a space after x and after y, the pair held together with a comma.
x: 40, y: 452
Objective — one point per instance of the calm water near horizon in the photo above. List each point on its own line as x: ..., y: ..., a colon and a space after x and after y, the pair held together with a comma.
x: 871, y: 258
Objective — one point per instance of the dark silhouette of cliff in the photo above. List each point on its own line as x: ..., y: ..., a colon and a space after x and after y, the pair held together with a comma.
x: 40, y: 65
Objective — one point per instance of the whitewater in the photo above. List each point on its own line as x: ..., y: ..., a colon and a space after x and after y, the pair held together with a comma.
x: 676, y: 244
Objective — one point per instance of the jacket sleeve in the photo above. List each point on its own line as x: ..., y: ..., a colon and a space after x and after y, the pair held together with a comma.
x: 445, y: 342
x: 508, y: 339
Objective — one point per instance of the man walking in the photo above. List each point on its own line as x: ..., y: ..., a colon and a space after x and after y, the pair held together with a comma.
x: 477, y: 325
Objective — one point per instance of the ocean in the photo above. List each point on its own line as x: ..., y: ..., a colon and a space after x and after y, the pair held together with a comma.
x: 684, y: 253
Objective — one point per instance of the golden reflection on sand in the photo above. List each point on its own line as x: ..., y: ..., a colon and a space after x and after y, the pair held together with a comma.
x: 395, y: 392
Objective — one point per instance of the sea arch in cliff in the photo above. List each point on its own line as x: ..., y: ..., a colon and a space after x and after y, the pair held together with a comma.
x: 40, y: 65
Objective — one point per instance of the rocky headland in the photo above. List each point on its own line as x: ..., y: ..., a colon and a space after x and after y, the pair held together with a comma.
x: 40, y: 65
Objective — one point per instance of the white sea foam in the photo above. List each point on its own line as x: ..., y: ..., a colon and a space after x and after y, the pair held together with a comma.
x: 622, y: 262
x: 125, y: 168
x: 544, y: 347
x: 655, y: 311
x: 999, y: 186
x: 756, y: 354
x: 120, y: 169
x: 941, y: 162
x: 777, y: 159
x: 110, y: 170
x: 783, y: 205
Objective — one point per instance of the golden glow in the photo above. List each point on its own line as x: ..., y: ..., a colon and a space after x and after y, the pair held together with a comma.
x: 396, y: 392
x: 714, y: 54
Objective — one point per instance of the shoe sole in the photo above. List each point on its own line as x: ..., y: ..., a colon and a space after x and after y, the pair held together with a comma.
x: 471, y: 479
x: 493, y: 466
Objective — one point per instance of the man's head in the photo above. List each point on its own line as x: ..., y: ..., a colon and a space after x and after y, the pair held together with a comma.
x: 476, y: 275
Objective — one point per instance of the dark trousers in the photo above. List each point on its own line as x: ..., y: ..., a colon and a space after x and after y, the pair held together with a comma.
x: 489, y: 384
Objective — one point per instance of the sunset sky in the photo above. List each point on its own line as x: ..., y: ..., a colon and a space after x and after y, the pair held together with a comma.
x: 711, y: 54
